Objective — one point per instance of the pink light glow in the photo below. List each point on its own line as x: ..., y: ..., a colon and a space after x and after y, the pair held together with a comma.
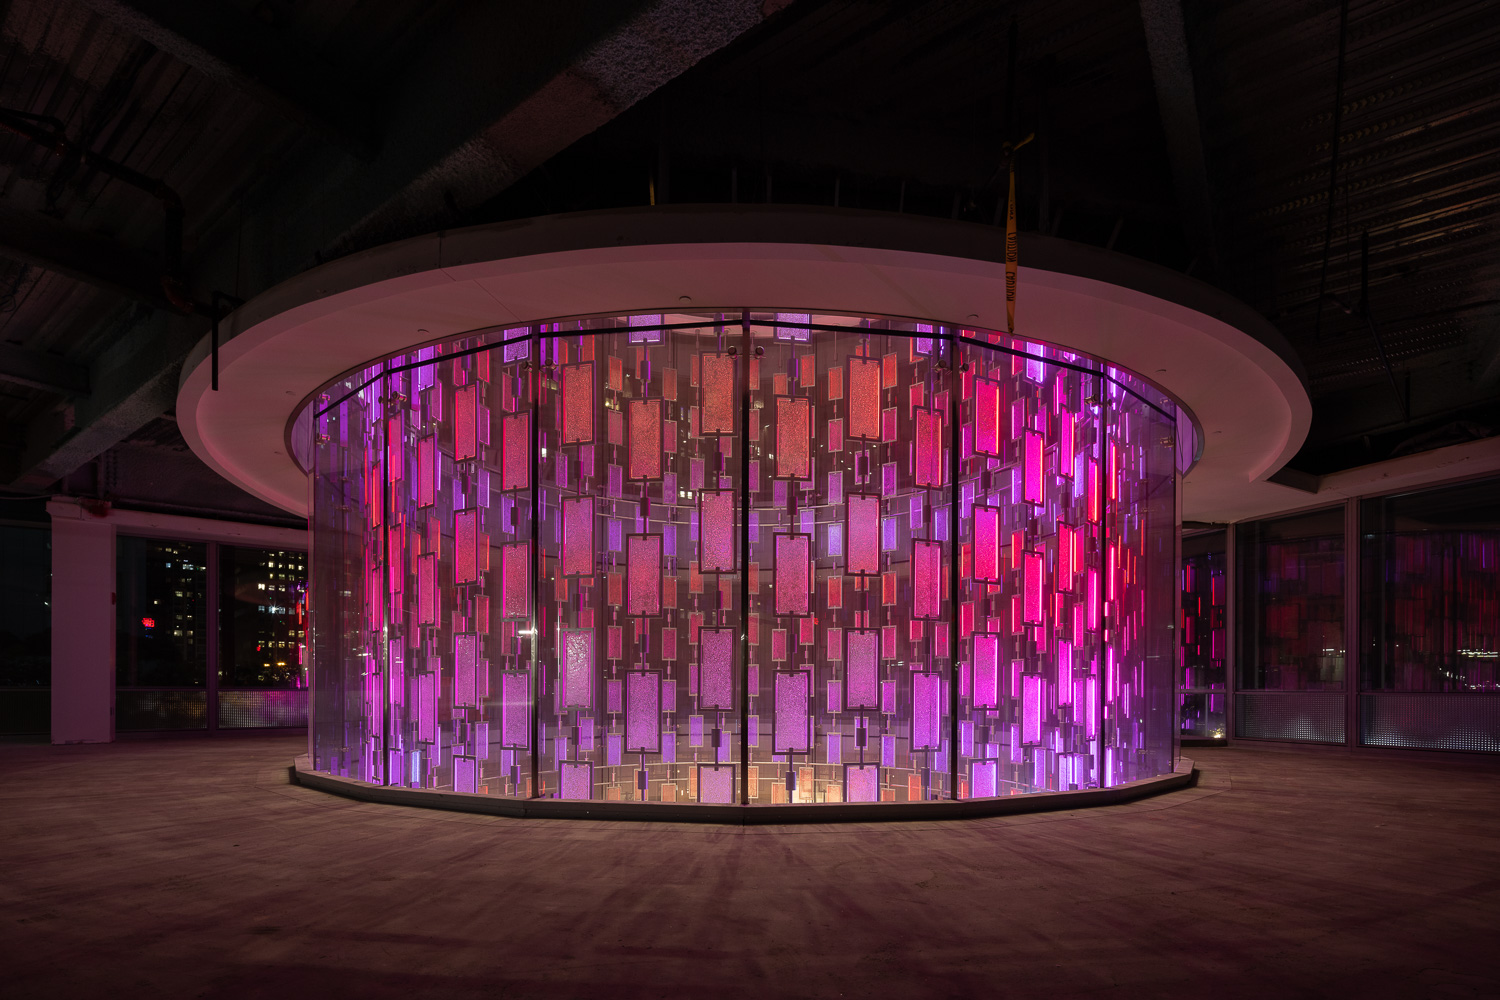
x: 466, y: 546
x: 986, y: 670
x: 642, y: 711
x: 987, y: 410
x: 716, y: 671
x: 716, y: 519
x: 926, y: 711
x: 577, y: 668
x: 465, y: 659
x: 929, y: 449
x: 426, y: 471
x: 578, y: 536
x: 793, y: 695
x: 862, y: 660
x: 515, y: 573
x: 1031, y: 708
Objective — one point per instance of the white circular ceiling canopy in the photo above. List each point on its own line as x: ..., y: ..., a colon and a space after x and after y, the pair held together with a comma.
x: 1221, y: 360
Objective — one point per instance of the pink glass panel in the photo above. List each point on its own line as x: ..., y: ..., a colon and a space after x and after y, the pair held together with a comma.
x: 427, y: 597
x: 716, y: 784
x: 465, y: 661
x: 426, y: 471
x: 576, y: 645
x: 863, y: 664
x: 718, y: 394
x: 926, y: 711
x: 927, y: 579
x: 515, y: 573
x: 716, y: 531
x: 716, y: 668
x: 578, y: 403
x: 862, y: 783
x: 862, y: 533
x: 642, y: 711
x: 929, y: 449
x: 1032, y: 467
x: 986, y: 670
x: 515, y: 449
x: 987, y: 410
x: 576, y: 780
x: 792, y: 701
x: 1031, y: 602
x: 578, y: 536
x: 465, y: 421
x: 793, y: 438
x: 1031, y: 708
x: 466, y: 546
x: 793, y: 579
x: 864, y: 399
x: 982, y: 779
x: 515, y: 719
x: 987, y: 563
x: 643, y: 574
x: 645, y: 439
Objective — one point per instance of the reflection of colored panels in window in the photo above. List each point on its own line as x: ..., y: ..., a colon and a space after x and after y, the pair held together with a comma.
x: 793, y: 438
x: 1031, y: 593
x: 643, y: 574
x: 717, y: 384
x: 926, y: 711
x: 466, y: 546
x: 861, y: 782
x: 465, y: 421
x: 986, y: 670
x: 987, y: 417
x: 926, y: 579
x: 515, y: 701
x: 862, y: 533
x: 862, y: 656
x: 716, y: 668
x: 716, y: 783
x: 642, y: 711
x: 793, y: 574
x: 577, y: 668
x: 1032, y: 468
x: 929, y: 448
x: 515, y: 580
x: 716, y: 536
x: 578, y: 403
x: 427, y: 459
x: 864, y: 399
x: 793, y: 696
x: 576, y: 780
x: 515, y: 451
x: 578, y: 536
x: 987, y: 534
x: 645, y: 438
x: 465, y: 662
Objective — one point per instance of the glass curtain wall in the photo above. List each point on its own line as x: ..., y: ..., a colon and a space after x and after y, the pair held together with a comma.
x: 1292, y: 643
x: 1430, y: 619
x: 25, y: 630
x: 742, y: 582
x: 1205, y: 685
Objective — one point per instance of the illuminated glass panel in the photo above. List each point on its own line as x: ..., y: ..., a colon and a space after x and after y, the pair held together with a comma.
x: 793, y: 438
x: 642, y: 711
x: 515, y: 574
x: 466, y: 422
x: 515, y: 447
x: 716, y: 668
x: 793, y: 574
x: 988, y: 414
x: 862, y: 660
x: 576, y: 647
x: 929, y: 448
x: 862, y: 534
x: 645, y: 439
x: 861, y: 782
x: 718, y: 394
x: 578, y: 403
x: 643, y: 573
x: 927, y: 579
x: 864, y: 399
x: 717, y: 537
x: 793, y: 697
x: 578, y: 536
x: 926, y: 711
x: 466, y: 546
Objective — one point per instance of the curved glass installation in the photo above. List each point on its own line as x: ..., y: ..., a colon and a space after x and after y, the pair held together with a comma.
x: 743, y: 557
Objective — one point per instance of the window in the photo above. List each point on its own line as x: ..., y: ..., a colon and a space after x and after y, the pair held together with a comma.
x: 257, y: 647
x: 1292, y: 603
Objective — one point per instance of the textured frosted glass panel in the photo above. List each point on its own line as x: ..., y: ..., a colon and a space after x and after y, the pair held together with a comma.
x: 643, y: 711
x: 864, y: 399
x: 465, y: 422
x: 862, y: 533
x: 578, y: 536
x: 716, y: 671
x: 988, y: 410
x: 793, y: 438
x: 718, y: 394
x: 716, y: 784
x: 1032, y: 467
x: 863, y: 663
x: 862, y: 783
x: 515, y: 449
x: 515, y: 701
x: 515, y: 572
x: 987, y: 533
x: 645, y: 439
x: 929, y: 449
x: 578, y: 403
x: 792, y: 703
x: 426, y: 471
x: 577, y: 780
x: 576, y: 647
x: 717, y: 537
x: 986, y: 671
x: 926, y: 711
x: 1033, y: 582
x: 466, y: 546
x: 465, y: 661
x: 983, y: 779
x: 644, y: 576
x: 793, y: 577
x: 927, y: 579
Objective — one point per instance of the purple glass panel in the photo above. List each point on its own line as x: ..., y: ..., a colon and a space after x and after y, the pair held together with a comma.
x: 861, y: 782
x: 576, y: 646
x: 864, y: 399
x: 646, y: 329
x: 862, y: 534
x: 577, y: 536
x: 578, y: 403
x: 926, y: 711
x: 645, y: 439
x: 986, y: 670
x: 1031, y: 708
x: 793, y: 437
x: 515, y: 451
x: 793, y: 574
x: 983, y: 779
x: 427, y: 595
x: 926, y: 579
x: 716, y: 668
x: 426, y: 471
x: 465, y: 660
x: 576, y: 780
x: 792, y: 732
x: 643, y: 574
x: 642, y: 711
x: 716, y: 539
x: 718, y: 394
x: 862, y: 659
x: 515, y: 717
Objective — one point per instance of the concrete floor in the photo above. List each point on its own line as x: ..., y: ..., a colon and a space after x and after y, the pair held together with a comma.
x: 191, y: 868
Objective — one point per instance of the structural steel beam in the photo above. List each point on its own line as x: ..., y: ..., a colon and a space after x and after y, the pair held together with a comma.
x: 46, y: 243
x: 42, y: 371
x: 1177, y: 103
x: 222, y: 42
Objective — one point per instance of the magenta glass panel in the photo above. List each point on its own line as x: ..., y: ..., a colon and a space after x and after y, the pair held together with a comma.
x: 926, y: 711
x: 987, y: 563
x: 792, y: 703
x: 643, y: 574
x: 929, y: 448
x: 862, y: 661
x: 577, y: 780
x: 466, y: 422
x: 576, y: 648
x: 466, y: 546
x: 793, y: 577
x: 986, y: 671
x: 515, y: 709
x: 988, y: 410
x: 862, y: 533
x: 427, y: 471
x: 515, y: 572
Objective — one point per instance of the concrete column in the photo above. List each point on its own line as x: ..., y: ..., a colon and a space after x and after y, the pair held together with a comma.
x: 83, y: 622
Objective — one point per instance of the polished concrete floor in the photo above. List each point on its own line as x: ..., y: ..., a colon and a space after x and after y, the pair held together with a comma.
x: 191, y: 868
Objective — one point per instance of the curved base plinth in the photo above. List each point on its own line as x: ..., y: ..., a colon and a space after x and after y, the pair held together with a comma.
x: 737, y: 815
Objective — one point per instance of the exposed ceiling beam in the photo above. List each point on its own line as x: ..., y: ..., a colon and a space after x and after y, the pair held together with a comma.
x: 1177, y: 103
x: 42, y: 371
x: 223, y: 42
x: 46, y: 243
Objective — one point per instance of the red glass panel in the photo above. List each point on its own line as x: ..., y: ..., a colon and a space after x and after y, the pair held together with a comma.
x: 643, y: 574
x: 578, y: 536
x: 718, y: 394
x: 578, y: 403
x: 864, y: 399
x: 793, y: 438
x: 645, y: 438
x: 927, y: 579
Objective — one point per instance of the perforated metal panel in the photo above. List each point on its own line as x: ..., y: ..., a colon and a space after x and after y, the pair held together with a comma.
x: 1431, y: 721
x: 262, y: 709
x: 147, y: 710
x: 1307, y: 716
